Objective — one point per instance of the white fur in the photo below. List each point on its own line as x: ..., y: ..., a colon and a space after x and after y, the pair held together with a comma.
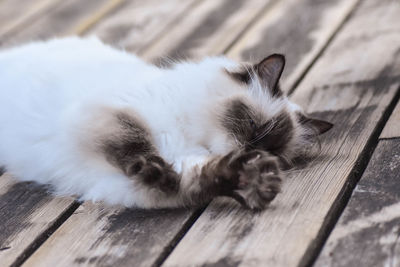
x: 49, y: 92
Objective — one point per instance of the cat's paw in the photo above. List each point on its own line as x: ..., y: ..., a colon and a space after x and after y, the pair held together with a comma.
x: 155, y: 173
x: 259, y: 179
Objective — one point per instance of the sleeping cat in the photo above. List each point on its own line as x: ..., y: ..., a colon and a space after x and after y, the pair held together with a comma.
x: 102, y: 124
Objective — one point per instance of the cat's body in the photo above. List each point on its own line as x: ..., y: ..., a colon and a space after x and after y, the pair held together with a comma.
x: 102, y: 124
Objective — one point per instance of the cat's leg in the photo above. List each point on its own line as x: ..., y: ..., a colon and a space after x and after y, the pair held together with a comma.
x: 130, y: 148
x: 251, y: 177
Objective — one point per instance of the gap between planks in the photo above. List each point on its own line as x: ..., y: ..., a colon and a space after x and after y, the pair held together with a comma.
x: 389, y: 133
x: 369, y: 225
x: 392, y: 128
x: 344, y: 196
x: 41, y: 238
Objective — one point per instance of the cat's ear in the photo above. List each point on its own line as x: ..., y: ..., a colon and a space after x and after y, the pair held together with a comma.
x: 269, y: 71
x: 319, y: 126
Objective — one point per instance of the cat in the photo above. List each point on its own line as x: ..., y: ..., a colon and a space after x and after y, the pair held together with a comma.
x: 101, y: 124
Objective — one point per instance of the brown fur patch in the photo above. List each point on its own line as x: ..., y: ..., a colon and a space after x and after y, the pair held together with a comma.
x: 239, y: 120
x: 279, y: 132
x: 250, y: 131
x: 242, y: 76
x: 129, y: 147
x: 130, y: 140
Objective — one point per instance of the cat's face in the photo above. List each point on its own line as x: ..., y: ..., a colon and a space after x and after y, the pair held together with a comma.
x: 263, y: 118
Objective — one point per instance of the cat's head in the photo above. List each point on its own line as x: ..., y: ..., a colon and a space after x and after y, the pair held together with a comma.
x: 262, y: 117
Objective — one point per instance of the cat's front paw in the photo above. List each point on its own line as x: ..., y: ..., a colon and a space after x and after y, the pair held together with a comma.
x: 155, y: 173
x: 259, y: 178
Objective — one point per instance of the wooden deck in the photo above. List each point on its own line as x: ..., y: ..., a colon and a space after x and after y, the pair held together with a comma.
x: 342, y: 209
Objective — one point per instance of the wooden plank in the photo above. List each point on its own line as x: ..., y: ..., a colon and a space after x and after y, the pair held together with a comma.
x: 27, y: 211
x: 101, y: 236
x: 392, y: 127
x: 370, y: 225
x: 346, y: 87
x: 138, y: 23
x: 64, y: 18
x: 14, y: 15
x: 311, y: 38
x: 298, y: 29
x: 208, y: 29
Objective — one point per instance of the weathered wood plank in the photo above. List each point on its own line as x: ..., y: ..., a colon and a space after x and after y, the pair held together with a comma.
x: 346, y: 86
x: 62, y: 19
x: 102, y: 236
x: 26, y: 212
x: 138, y: 23
x: 89, y: 22
x: 392, y: 127
x: 208, y: 29
x: 16, y: 14
x: 298, y: 29
x: 369, y: 227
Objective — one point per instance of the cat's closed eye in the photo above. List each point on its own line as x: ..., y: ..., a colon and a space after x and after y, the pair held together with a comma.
x: 252, y: 124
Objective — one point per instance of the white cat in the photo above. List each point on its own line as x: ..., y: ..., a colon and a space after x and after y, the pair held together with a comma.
x: 102, y: 124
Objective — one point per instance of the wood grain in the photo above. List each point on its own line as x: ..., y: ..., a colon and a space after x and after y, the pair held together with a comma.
x: 299, y: 29
x: 346, y: 86
x: 102, y: 236
x: 26, y: 211
x: 60, y: 21
x: 369, y: 227
x: 208, y: 29
x: 92, y: 20
x: 138, y: 23
x: 16, y: 14
x: 392, y: 127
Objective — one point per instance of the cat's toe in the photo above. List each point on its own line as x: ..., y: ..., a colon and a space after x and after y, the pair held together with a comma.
x: 135, y: 166
x: 259, y: 183
x: 151, y: 173
x: 259, y: 193
x: 161, y: 177
x: 241, y: 158
x: 169, y: 182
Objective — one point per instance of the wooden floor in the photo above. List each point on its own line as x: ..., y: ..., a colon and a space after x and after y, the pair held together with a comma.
x: 342, y: 209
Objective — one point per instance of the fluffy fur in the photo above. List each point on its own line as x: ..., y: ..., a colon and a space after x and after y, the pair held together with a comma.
x: 59, y: 101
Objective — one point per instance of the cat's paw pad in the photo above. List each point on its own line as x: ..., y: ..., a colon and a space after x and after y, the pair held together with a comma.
x: 155, y: 173
x: 259, y: 179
